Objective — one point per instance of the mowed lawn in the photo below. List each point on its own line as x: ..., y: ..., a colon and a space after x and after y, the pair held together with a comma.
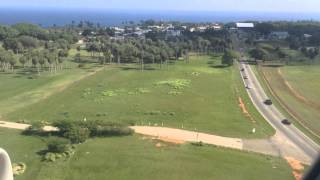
x: 139, y: 158
x: 20, y: 89
x: 298, y: 87
x: 195, y: 96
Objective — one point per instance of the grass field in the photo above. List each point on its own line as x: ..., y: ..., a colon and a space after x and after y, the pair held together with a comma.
x: 137, y: 158
x: 298, y: 88
x: 198, y: 95
x: 74, y: 51
x: 21, y: 89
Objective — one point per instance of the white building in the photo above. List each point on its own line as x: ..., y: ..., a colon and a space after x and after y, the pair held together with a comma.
x: 244, y: 25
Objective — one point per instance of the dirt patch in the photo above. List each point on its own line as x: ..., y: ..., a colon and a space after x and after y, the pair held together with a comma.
x: 296, y: 166
x: 245, y: 110
x: 160, y: 141
x: 169, y: 140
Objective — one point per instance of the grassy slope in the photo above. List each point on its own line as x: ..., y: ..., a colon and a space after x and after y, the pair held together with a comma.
x: 209, y: 104
x: 304, y: 79
x: 306, y: 84
x: 73, y: 52
x: 135, y: 158
x: 19, y: 89
x: 280, y: 107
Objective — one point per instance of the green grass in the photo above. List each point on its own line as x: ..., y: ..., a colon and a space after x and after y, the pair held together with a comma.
x: 83, y: 53
x: 207, y: 102
x: 20, y: 89
x: 303, y: 80
x: 137, y: 158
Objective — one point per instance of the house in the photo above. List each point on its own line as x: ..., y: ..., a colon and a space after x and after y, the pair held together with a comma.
x: 244, y: 25
x: 307, y: 36
x: 279, y: 35
x: 173, y: 33
x: 216, y: 27
x: 202, y: 28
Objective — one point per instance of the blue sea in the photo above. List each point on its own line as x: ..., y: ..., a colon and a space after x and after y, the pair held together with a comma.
x: 59, y: 17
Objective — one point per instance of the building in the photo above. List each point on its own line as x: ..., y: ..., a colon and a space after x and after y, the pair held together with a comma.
x: 216, y: 27
x: 307, y: 36
x: 244, y: 25
x: 279, y: 35
x: 173, y: 33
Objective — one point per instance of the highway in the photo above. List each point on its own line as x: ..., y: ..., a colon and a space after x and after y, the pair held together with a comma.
x: 289, y: 140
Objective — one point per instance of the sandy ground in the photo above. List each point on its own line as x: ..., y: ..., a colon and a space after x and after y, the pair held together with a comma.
x: 189, y: 136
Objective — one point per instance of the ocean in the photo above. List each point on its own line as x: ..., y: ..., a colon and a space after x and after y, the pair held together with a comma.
x: 60, y: 17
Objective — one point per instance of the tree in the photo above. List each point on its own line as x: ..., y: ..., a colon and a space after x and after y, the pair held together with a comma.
x: 35, y: 60
x: 228, y: 57
x: 77, y: 58
x: 77, y: 134
x: 258, y: 54
x: 23, y: 60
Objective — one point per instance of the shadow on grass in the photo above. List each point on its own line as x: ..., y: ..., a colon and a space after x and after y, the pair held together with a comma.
x: 273, y: 65
x: 220, y: 66
x: 137, y: 69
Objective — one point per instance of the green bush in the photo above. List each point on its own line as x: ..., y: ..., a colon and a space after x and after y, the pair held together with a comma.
x: 58, y: 145
x: 64, y: 126
x: 81, y: 65
x: 36, y: 128
x: 114, y: 131
x: 79, y: 131
x: 77, y: 134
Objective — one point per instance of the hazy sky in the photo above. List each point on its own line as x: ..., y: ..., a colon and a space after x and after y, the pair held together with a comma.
x: 188, y: 5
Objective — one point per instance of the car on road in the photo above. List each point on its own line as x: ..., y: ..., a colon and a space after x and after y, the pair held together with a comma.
x: 242, y: 69
x: 268, y: 102
x: 286, y: 122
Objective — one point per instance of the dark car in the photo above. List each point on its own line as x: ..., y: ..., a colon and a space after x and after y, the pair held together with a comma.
x: 245, y: 77
x: 242, y: 69
x: 286, y: 122
x: 268, y: 102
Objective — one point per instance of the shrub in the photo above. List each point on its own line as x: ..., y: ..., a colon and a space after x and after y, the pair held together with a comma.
x: 63, y: 126
x: 77, y: 134
x: 58, y: 145
x: 114, y: 131
x: 81, y: 65
x: 36, y: 128
x: 199, y: 143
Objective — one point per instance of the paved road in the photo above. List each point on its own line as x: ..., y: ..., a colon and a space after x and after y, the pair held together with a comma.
x: 288, y: 141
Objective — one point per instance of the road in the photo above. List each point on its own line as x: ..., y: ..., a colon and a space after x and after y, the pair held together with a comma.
x: 288, y: 140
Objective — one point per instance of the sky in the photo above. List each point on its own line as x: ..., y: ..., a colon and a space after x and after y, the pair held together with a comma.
x: 306, y: 6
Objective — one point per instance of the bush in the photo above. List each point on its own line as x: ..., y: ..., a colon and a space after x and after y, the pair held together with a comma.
x: 36, y: 128
x: 52, y: 157
x: 200, y: 143
x: 79, y: 131
x: 64, y: 126
x: 114, y: 131
x: 58, y: 145
x: 81, y: 65
x: 77, y: 134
